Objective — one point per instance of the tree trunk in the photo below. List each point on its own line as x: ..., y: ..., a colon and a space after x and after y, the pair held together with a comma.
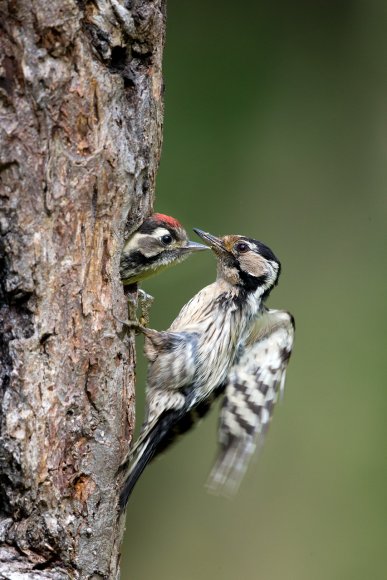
x: 81, y: 108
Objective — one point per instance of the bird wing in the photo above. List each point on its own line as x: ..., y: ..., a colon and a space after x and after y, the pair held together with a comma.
x: 174, y: 367
x: 171, y: 358
x: 252, y: 389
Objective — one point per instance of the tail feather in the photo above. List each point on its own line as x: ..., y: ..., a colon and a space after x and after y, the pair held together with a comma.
x: 161, y: 435
x: 146, y: 454
x: 153, y: 441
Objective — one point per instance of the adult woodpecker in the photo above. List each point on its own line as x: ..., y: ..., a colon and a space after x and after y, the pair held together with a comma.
x: 160, y: 242
x: 224, y: 341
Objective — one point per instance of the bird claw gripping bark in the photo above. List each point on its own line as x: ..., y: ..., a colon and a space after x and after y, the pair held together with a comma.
x: 132, y: 325
x: 142, y: 302
x: 137, y: 300
x: 145, y: 302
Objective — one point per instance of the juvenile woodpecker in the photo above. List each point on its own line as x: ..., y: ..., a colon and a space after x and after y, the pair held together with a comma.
x: 159, y: 242
x: 223, y: 341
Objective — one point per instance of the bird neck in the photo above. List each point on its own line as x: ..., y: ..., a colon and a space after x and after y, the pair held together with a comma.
x: 253, y: 284
x: 244, y: 283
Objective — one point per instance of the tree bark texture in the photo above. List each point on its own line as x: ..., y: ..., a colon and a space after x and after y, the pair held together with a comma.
x: 81, y: 122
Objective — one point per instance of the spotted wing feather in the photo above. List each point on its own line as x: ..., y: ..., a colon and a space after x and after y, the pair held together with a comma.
x: 252, y: 390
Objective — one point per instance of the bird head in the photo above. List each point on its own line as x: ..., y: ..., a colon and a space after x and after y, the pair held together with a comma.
x: 244, y: 262
x: 159, y: 242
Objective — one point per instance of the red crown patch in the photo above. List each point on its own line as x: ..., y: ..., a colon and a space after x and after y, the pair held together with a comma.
x: 160, y: 217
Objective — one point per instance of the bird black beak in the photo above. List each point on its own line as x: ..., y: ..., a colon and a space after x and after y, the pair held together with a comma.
x: 216, y: 244
x: 193, y: 247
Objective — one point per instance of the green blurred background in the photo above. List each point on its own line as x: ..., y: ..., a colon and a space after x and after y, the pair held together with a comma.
x: 276, y: 128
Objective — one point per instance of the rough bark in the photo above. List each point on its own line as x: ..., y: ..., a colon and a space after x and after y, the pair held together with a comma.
x: 81, y: 120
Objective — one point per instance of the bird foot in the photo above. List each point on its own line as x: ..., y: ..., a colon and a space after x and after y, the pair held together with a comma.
x: 142, y: 301
x: 145, y: 303
x: 132, y: 324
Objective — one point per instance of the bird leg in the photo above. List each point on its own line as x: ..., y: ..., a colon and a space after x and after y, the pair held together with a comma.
x: 154, y: 336
x: 137, y: 298
x: 132, y: 325
x: 145, y: 302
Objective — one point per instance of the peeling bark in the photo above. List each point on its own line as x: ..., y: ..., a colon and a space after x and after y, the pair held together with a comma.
x: 81, y: 124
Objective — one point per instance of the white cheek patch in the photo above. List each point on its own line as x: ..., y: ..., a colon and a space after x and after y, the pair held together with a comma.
x: 253, y: 264
x: 134, y: 243
x: 146, y: 244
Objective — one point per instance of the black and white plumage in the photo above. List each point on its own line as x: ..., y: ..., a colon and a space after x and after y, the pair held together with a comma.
x: 195, y: 360
x: 253, y: 387
x: 160, y: 242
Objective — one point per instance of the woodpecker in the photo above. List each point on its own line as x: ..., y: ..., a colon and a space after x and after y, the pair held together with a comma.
x: 223, y: 342
x: 159, y: 242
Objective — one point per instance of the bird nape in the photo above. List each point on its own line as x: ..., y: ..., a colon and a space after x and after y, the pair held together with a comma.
x: 224, y: 341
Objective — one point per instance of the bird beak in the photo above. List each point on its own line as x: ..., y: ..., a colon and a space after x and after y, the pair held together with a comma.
x: 193, y: 247
x: 216, y: 244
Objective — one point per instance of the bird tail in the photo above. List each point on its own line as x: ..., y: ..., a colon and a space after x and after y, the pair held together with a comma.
x: 144, y: 455
x: 161, y: 434
x: 153, y: 442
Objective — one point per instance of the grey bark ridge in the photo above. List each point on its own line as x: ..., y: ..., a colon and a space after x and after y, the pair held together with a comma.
x: 80, y: 137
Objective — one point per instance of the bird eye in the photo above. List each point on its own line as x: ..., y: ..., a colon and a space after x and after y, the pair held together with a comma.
x: 167, y: 239
x: 242, y: 247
